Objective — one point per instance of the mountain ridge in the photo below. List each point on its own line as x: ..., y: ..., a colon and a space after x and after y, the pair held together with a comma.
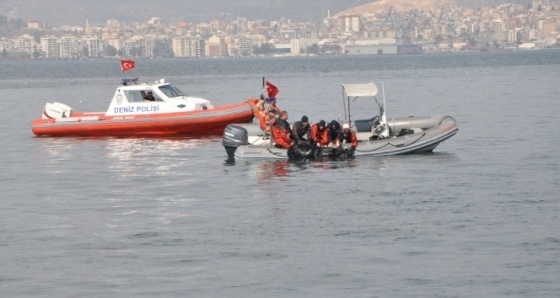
x: 72, y: 12
x: 383, y: 6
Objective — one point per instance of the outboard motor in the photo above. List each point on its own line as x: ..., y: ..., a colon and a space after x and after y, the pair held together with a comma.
x: 234, y: 136
x: 56, y: 110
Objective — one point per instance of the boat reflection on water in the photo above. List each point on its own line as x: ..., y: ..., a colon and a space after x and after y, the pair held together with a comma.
x: 125, y: 155
x: 154, y: 156
x: 334, y: 164
x: 122, y: 147
x: 135, y: 148
x: 262, y: 170
x: 378, y: 166
x: 58, y: 149
x: 278, y: 168
x: 283, y: 168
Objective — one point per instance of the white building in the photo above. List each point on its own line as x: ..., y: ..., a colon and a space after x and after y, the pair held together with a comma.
x: 25, y: 44
x: 69, y: 47
x: 351, y: 23
x: 50, y: 47
x: 186, y: 47
x: 299, y: 45
x: 94, y: 46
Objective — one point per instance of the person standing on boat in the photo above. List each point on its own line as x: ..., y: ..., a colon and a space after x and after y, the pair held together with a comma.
x: 335, y: 133
x: 320, y: 134
x: 349, y: 136
x: 281, y: 132
x: 149, y: 96
x: 264, y: 115
x: 302, y: 131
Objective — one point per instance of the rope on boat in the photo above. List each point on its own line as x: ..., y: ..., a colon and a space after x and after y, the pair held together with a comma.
x: 389, y: 143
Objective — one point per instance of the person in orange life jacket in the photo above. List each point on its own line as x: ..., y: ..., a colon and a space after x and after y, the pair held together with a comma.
x: 271, y: 119
x: 272, y: 105
x: 282, y: 133
x: 266, y: 115
x: 262, y: 114
x: 334, y: 133
x: 273, y: 112
x: 302, y: 131
x: 349, y: 136
x: 320, y: 134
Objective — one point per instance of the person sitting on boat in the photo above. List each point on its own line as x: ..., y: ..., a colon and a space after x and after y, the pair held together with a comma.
x: 335, y: 133
x: 320, y: 134
x: 149, y: 96
x: 349, y: 136
x: 281, y: 132
x: 302, y: 131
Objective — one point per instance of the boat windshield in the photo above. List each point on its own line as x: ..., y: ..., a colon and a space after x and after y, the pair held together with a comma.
x: 171, y: 91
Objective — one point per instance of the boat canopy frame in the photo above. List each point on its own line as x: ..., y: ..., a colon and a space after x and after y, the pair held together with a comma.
x: 351, y: 92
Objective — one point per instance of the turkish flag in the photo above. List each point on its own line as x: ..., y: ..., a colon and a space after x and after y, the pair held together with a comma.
x: 271, y: 90
x: 127, y: 65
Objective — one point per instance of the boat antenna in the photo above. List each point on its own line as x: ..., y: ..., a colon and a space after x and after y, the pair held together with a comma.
x: 262, y: 89
x: 385, y: 132
x: 383, y: 91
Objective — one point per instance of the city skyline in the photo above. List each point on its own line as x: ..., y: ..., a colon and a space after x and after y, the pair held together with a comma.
x: 417, y: 31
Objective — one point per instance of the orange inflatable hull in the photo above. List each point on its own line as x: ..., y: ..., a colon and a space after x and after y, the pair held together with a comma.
x: 199, y: 122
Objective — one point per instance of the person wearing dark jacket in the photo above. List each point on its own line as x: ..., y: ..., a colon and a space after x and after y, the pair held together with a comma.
x: 149, y: 96
x: 302, y: 131
x: 334, y: 133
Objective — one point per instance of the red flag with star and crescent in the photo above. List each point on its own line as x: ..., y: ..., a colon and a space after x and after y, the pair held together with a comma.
x: 271, y: 90
x: 127, y: 65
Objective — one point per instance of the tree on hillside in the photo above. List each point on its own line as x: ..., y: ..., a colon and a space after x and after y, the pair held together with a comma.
x: 37, y: 37
x: 313, y: 49
x: 264, y: 49
x: 110, y: 50
x: 36, y: 54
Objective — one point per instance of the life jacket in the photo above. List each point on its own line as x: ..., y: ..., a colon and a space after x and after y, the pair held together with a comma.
x: 281, y: 135
x: 319, y: 136
x: 349, y: 137
x: 301, y: 132
x: 335, y: 132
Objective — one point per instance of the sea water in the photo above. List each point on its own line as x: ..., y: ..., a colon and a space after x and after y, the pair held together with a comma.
x: 172, y: 217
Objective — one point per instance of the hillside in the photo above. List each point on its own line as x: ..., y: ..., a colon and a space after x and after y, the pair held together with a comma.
x: 383, y: 6
x: 72, y: 12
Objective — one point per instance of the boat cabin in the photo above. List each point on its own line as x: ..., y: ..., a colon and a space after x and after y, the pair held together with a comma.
x: 153, y: 98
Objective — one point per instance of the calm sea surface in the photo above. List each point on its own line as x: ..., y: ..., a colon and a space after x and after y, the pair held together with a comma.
x: 113, y: 217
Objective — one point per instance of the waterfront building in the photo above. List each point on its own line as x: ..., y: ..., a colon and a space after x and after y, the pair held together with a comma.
x: 50, y: 47
x: 187, y: 47
x: 69, y: 47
